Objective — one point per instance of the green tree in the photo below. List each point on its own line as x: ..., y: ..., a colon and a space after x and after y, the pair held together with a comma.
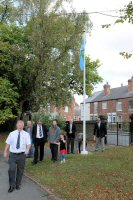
x: 8, y: 12
x: 40, y: 53
x: 8, y: 100
x: 56, y: 40
x: 16, y: 63
x: 92, y: 75
x: 47, y: 119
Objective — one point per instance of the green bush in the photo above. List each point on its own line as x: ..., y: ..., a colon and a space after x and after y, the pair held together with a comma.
x: 47, y: 119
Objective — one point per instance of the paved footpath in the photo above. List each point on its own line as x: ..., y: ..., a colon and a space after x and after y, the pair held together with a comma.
x: 29, y: 190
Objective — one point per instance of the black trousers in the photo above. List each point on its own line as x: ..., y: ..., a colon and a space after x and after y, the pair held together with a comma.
x: 39, y: 149
x: 70, y: 141
x: 54, y: 151
x: 105, y: 139
x: 16, y: 168
x: 79, y: 146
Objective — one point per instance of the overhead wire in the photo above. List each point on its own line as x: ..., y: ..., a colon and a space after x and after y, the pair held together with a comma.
x: 104, y: 12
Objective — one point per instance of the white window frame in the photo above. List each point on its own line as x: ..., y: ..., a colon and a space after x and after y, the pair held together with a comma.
x: 119, y: 106
x: 119, y: 119
x: 66, y: 109
x: 112, y: 117
x: 129, y: 104
x: 95, y: 107
x: 104, y: 105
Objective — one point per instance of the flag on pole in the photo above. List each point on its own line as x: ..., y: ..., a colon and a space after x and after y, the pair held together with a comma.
x: 82, y: 54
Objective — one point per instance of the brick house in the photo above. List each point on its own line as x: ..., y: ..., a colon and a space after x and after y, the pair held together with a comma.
x: 66, y: 112
x: 115, y: 103
x: 77, y: 112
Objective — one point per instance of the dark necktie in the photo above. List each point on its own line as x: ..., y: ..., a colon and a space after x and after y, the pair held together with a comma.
x: 70, y: 128
x: 18, y: 141
x: 40, y: 131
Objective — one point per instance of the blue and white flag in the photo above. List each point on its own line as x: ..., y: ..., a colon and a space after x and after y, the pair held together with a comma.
x: 82, y: 54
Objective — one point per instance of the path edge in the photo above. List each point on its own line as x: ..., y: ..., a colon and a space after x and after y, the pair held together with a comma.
x: 51, y: 195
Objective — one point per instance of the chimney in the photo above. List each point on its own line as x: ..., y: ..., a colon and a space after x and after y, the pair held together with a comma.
x: 106, y: 89
x: 130, y: 85
x: 121, y: 84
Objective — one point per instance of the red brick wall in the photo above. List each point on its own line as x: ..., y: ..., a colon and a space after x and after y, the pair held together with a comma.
x: 130, y: 85
x: 125, y: 111
x: 70, y: 114
x: 111, y: 107
x: 61, y: 111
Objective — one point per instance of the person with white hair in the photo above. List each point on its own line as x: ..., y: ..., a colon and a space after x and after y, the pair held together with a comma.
x: 18, y: 144
x: 28, y: 129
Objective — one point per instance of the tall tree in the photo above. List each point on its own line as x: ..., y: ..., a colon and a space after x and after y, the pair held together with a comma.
x: 8, y: 100
x: 16, y: 63
x: 40, y: 53
x: 56, y: 39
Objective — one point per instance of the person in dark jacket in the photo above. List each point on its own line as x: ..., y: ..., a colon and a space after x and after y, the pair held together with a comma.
x: 28, y: 129
x: 100, y: 131
x: 39, y: 137
x: 70, y: 130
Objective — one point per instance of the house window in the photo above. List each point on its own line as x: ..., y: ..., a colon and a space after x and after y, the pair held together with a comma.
x: 119, y: 119
x: 131, y: 105
x: 95, y: 117
x: 76, y: 118
x: 119, y: 106
x: 95, y: 107
x: 66, y: 109
x: 91, y: 117
x: 104, y: 105
x: 112, y: 117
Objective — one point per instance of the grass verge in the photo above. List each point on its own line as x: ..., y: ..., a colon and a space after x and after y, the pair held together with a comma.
x: 101, y: 176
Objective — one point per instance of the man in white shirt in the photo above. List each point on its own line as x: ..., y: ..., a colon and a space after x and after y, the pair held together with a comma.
x: 18, y: 143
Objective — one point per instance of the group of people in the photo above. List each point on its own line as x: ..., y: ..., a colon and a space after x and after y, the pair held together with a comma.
x: 39, y: 135
x: 29, y: 141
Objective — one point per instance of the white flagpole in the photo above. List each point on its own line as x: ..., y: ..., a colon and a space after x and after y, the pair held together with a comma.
x: 84, y: 96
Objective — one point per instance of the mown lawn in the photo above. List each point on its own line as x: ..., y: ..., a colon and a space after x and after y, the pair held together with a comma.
x: 101, y: 176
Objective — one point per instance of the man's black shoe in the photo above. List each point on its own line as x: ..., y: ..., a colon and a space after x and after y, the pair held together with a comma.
x: 34, y: 163
x: 11, y: 189
x: 18, y: 187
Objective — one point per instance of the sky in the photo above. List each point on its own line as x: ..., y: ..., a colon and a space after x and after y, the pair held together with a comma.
x: 105, y: 44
